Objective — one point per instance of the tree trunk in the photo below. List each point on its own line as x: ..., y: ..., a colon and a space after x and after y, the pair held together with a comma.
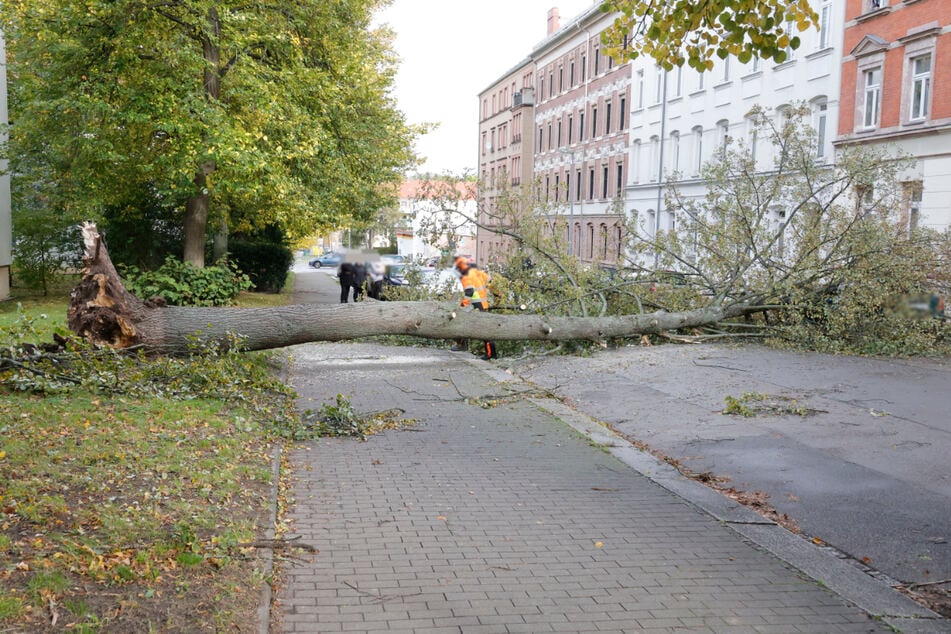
x: 196, y: 220
x: 103, y: 311
x: 196, y: 208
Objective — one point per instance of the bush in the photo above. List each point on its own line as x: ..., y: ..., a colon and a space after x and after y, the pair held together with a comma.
x: 183, y: 284
x: 264, y: 261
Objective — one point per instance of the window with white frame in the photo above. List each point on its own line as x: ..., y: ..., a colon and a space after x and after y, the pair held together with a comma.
x: 725, y: 68
x: 820, y: 122
x: 723, y: 135
x: 872, y: 101
x: 752, y: 137
x: 636, y: 161
x: 919, y: 106
x: 791, y: 34
x: 679, y: 81
x: 639, y: 81
x: 697, y: 150
x: 659, y: 92
x: 655, y: 153
x: 825, y: 24
x: 675, y: 151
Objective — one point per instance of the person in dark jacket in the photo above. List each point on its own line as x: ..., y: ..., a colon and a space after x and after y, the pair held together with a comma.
x: 353, y: 276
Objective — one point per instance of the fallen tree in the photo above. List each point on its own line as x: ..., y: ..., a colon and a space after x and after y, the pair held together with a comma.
x: 102, y: 311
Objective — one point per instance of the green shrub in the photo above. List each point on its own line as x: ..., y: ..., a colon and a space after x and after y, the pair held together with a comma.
x: 183, y: 284
x: 264, y: 261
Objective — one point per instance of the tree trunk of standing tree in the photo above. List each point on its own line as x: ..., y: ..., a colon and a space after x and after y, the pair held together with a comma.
x: 103, y: 311
x: 196, y: 208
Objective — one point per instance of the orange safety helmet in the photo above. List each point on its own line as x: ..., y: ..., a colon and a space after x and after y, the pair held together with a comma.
x: 463, y: 263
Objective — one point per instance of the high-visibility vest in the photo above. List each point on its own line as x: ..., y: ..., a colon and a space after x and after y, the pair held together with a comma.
x: 478, y: 281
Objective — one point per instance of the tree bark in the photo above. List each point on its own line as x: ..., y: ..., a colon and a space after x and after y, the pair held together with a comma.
x: 196, y: 208
x: 103, y: 311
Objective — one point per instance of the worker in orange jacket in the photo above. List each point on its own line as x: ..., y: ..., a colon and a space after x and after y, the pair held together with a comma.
x: 475, y: 290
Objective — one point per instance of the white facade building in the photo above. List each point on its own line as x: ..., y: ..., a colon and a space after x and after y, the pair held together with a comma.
x: 680, y: 118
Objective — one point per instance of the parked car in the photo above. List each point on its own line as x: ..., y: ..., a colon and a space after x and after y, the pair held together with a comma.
x: 392, y: 258
x: 327, y: 259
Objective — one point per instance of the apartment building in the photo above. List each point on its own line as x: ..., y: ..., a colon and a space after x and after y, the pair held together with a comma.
x: 681, y: 118
x: 581, y: 135
x: 506, y: 122
x: 896, y: 90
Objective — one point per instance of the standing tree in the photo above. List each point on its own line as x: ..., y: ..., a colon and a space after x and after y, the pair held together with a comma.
x: 281, y: 108
x: 675, y: 32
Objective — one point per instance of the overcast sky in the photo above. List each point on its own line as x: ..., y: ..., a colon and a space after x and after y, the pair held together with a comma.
x: 451, y: 51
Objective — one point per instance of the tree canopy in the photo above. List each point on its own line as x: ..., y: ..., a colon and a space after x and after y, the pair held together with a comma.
x: 244, y: 112
x: 678, y: 32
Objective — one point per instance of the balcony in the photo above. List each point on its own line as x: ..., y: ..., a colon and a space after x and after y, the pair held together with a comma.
x: 525, y: 97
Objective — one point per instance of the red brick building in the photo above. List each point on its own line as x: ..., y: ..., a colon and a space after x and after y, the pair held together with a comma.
x: 896, y: 90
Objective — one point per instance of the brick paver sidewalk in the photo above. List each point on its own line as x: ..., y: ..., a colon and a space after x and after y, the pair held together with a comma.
x: 504, y: 519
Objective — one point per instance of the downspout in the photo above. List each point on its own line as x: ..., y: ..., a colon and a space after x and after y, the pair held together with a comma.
x: 660, y: 166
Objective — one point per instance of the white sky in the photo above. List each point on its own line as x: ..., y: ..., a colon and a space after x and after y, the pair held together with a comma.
x: 451, y: 51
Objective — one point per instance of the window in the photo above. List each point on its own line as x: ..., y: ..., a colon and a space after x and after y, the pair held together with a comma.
x: 675, y: 151
x: 653, y: 168
x: 570, y: 130
x: 594, y: 122
x: 640, y: 89
x: 825, y: 24
x: 578, y: 185
x: 723, y: 135
x: 620, y: 178
x: 551, y: 84
x: 550, y: 138
x: 584, y: 67
x: 700, y: 76
x: 571, y: 73
x: 591, y: 184
x: 607, y: 118
x: 604, y: 182
x: 541, y: 138
x: 603, y: 233
x: 920, y: 87
x: 581, y: 126
x: 561, y: 79
x: 820, y: 117
x: 636, y: 161
x: 912, y: 203
x: 621, y: 115
x: 557, y: 187
x: 590, y: 240
x: 678, y: 83
x: 791, y: 33
x: 659, y: 92
x: 697, y: 150
x: 597, y: 61
x: 559, y: 133
x: 725, y: 75
x: 874, y: 5
x: 873, y: 97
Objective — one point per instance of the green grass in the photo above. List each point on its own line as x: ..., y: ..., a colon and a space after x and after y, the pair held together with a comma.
x: 121, y: 506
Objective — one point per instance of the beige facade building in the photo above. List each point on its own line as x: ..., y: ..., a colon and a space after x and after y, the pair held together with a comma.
x: 554, y: 131
x: 506, y: 122
x: 582, y: 117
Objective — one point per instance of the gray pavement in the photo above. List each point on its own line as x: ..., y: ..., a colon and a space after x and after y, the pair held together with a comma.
x: 498, y: 511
